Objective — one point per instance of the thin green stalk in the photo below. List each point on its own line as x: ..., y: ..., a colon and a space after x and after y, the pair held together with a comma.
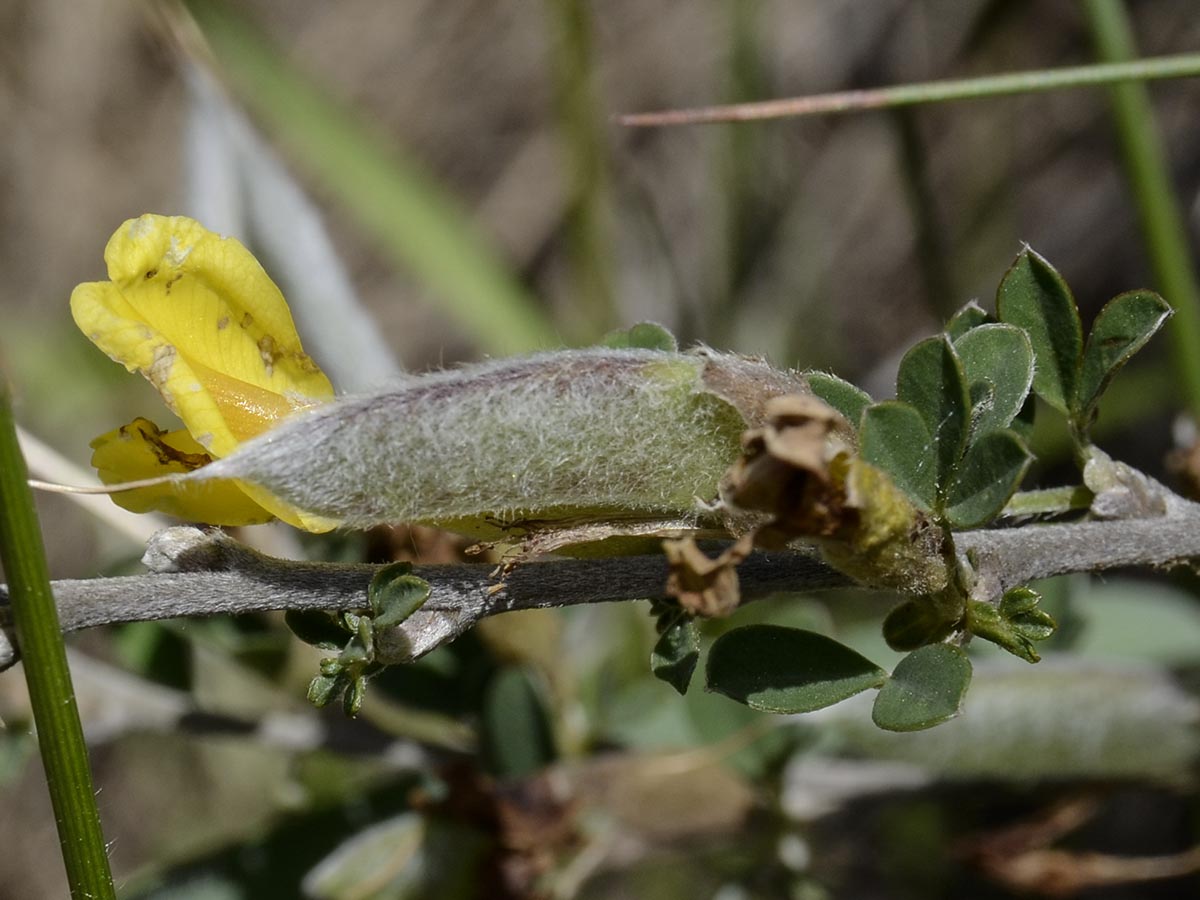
x: 1185, y: 65
x: 590, y: 220
x: 1164, y: 227
x: 743, y: 179
x: 35, y: 618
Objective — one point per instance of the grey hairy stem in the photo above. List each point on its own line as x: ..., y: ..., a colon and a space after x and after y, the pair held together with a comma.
x: 200, y: 573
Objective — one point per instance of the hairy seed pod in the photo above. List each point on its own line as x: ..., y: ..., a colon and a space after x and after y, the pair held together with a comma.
x: 572, y: 434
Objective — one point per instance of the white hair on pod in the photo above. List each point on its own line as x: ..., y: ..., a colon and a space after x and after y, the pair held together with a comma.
x: 596, y: 430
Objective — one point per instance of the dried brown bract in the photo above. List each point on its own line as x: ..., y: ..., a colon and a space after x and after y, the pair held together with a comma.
x: 801, y: 468
x: 703, y: 585
x: 785, y: 470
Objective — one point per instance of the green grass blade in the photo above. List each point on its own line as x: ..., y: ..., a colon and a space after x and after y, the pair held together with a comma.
x: 413, y: 218
x: 586, y: 150
x: 1164, y: 227
x: 52, y: 698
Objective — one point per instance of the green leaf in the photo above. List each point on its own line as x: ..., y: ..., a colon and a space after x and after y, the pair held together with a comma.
x: 988, y: 623
x: 323, y: 688
x: 1033, y: 296
x: 970, y: 316
x: 642, y: 336
x: 354, y: 653
x: 926, y: 689
x: 352, y: 698
x: 998, y: 362
x: 316, y: 627
x: 894, y: 438
x: 989, y: 475
x: 786, y: 670
x: 932, y: 381
x: 1121, y: 329
x: 1023, y: 423
x: 395, y: 594
x: 1035, y: 625
x: 1019, y: 600
x: 676, y: 653
x: 846, y: 398
x: 915, y: 623
x: 517, y: 736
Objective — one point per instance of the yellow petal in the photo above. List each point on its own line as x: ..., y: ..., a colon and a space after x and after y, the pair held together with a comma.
x: 142, y: 450
x: 285, y: 511
x: 196, y: 314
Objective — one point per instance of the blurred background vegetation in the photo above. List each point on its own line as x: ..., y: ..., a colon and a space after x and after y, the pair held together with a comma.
x: 457, y: 177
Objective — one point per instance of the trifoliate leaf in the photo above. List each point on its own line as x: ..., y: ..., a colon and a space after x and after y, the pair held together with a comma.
x: 970, y: 316
x: 915, y: 623
x: 1121, y: 329
x: 843, y: 396
x: 989, y: 475
x: 932, y: 381
x: 926, y: 689
x: 395, y: 594
x: 676, y: 653
x: 1033, y: 296
x: 895, y: 438
x: 316, y: 627
x: 998, y: 362
x: 787, y: 670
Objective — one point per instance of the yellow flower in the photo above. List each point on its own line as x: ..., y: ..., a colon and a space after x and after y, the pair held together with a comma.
x: 196, y: 314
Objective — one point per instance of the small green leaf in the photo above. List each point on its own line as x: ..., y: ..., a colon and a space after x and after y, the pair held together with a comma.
x: 642, y: 336
x: 676, y: 653
x: 915, y: 623
x: 843, y: 396
x: 894, y: 438
x: 352, y: 698
x: 1035, y: 625
x: 1016, y: 625
x: 926, y: 689
x: 354, y: 652
x: 786, y: 670
x: 970, y: 316
x: 989, y: 475
x: 1121, y: 329
x: 366, y: 635
x: 1019, y: 600
x: 932, y: 381
x: 324, y: 688
x: 986, y: 622
x: 998, y: 362
x: 395, y: 594
x: 316, y: 627
x: 1033, y: 296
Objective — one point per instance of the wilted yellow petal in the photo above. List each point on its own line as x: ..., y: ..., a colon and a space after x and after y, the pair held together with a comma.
x: 196, y: 314
x: 142, y: 450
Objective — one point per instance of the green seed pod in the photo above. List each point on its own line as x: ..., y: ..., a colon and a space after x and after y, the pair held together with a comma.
x: 568, y: 435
